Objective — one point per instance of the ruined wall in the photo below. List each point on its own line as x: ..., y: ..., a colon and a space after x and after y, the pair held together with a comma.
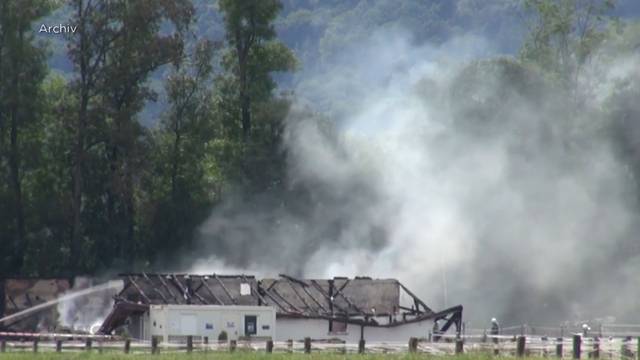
x: 22, y: 293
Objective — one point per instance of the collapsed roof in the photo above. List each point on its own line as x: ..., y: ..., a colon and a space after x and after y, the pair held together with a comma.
x: 360, y: 300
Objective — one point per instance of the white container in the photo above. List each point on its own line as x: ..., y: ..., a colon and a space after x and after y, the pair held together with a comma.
x: 175, y: 322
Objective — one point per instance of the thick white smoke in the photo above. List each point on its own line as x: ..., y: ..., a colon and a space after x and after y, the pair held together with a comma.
x: 85, y: 306
x: 472, y: 183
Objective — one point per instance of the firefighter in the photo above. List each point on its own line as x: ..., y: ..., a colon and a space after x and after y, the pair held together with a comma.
x: 495, y: 329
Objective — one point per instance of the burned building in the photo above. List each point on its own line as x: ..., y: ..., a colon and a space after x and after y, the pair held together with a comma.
x: 18, y: 294
x: 49, y: 304
x: 131, y: 309
x: 342, y: 308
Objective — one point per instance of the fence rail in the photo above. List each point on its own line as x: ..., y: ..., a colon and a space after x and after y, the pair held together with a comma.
x: 574, y: 347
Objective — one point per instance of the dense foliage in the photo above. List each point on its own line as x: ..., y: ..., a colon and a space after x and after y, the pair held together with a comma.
x: 88, y: 187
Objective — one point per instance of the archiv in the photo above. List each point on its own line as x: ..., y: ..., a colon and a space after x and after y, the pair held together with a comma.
x: 58, y: 29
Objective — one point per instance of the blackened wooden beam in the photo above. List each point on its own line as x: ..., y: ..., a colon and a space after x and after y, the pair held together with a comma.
x: 190, y: 292
x: 293, y: 279
x: 275, y: 301
x: 415, y: 298
x: 166, y: 301
x: 411, y: 311
x: 226, y: 291
x: 254, y: 290
x: 323, y: 293
x: 351, y: 304
x: 306, y: 291
x: 293, y: 287
x: 206, y: 286
x: 186, y: 295
x: 291, y: 306
x: 146, y: 298
x: 177, y: 299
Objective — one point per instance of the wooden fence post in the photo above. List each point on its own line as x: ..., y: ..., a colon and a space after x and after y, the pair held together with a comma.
x: 559, y: 342
x: 35, y: 345
x: 459, y: 346
x: 413, y: 344
x: 269, y: 346
x: 127, y: 346
x: 189, y: 343
x: 307, y: 345
x: 290, y: 345
x: 154, y: 345
x: 596, y: 348
x: 626, y: 350
x: 232, y: 345
x: 520, y: 346
x: 361, y: 345
x: 87, y: 344
x: 577, y: 341
x: 58, y: 345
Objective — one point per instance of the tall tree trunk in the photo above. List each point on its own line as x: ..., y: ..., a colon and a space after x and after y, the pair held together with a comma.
x: 130, y: 242
x: 77, y: 181
x: 78, y: 147
x: 176, y: 156
x: 14, y: 165
x: 245, y: 99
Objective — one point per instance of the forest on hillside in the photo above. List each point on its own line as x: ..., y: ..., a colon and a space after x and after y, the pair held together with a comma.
x: 166, y: 131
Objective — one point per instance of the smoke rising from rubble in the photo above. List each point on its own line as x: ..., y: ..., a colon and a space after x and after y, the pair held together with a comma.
x: 96, y: 301
x: 453, y: 178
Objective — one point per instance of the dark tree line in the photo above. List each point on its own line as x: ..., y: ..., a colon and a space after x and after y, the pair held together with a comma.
x: 85, y: 186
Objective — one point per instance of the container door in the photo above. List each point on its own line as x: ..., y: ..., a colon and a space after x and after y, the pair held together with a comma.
x: 189, y: 324
x: 250, y: 325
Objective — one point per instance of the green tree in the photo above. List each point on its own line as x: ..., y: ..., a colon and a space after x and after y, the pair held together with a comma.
x: 118, y: 45
x: 140, y: 49
x: 183, y: 178
x: 254, y: 54
x: 563, y: 35
x: 87, y: 51
x: 22, y: 69
x: 48, y: 186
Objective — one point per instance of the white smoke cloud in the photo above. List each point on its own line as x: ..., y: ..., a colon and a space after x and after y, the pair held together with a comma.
x: 515, y: 217
x: 85, y: 306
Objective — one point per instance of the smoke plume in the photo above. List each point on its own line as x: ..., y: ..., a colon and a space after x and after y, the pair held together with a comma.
x: 471, y: 180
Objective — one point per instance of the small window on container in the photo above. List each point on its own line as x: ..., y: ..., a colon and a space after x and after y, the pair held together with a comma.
x: 245, y: 289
